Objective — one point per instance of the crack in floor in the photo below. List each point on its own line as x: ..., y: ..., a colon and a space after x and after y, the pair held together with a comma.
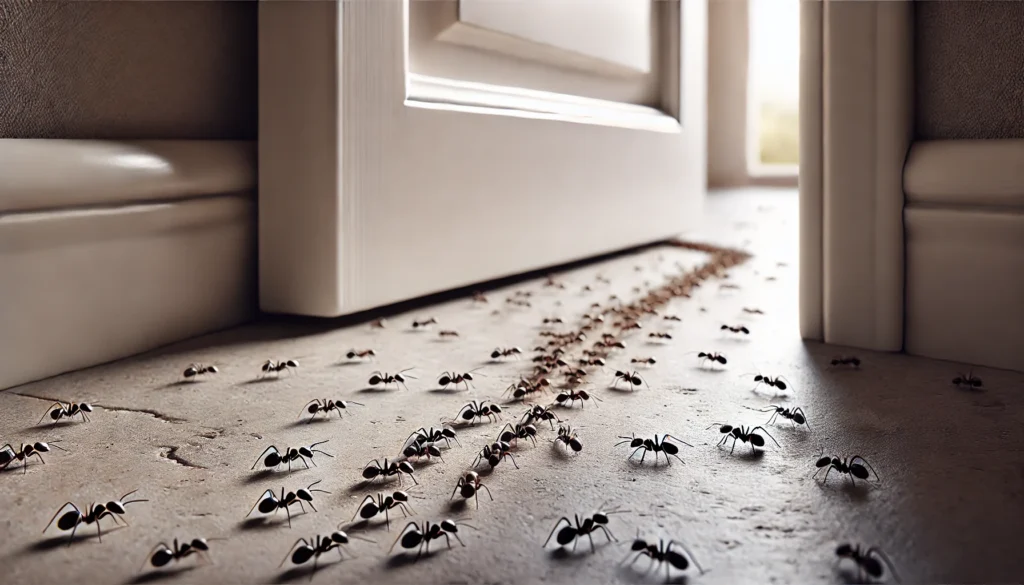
x: 171, y: 452
x: 153, y: 413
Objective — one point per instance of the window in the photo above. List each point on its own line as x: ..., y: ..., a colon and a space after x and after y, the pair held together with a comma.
x: 774, y: 86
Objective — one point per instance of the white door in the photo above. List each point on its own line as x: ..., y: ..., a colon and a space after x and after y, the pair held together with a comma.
x: 412, y: 147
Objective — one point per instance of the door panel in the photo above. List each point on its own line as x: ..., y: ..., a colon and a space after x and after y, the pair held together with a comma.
x: 379, y: 184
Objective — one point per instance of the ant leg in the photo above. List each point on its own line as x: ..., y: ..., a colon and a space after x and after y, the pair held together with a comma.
x: 73, y: 529
x: 825, y: 479
x: 289, y: 513
x: 303, y: 459
x: 640, y: 448
x: 316, y: 557
x: 733, y: 446
x: 488, y: 492
x: 457, y: 486
x: 387, y: 518
x: 590, y: 536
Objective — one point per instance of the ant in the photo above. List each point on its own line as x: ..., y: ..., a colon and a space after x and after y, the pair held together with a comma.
x: 627, y: 325
x: 421, y: 535
x: 371, y: 507
x: 660, y: 335
x: 656, y: 445
x: 672, y: 318
x: 68, y: 411
x: 610, y: 344
x: 751, y: 311
x: 424, y: 323
x: 847, y: 466
x: 643, y: 360
x: 326, y: 406
x: 195, y: 370
x: 518, y: 302
x: 375, y: 470
x: 360, y: 353
x: 713, y: 356
x: 744, y: 434
x: 274, y: 457
x: 448, y: 333
x: 569, y: 439
x: 163, y: 554
x: 632, y: 378
x: 8, y: 455
x: 72, y: 519
x: 270, y: 366
x: 840, y: 360
x: 969, y: 380
x: 379, y: 323
x: 573, y: 395
x: 550, y: 281
x: 728, y: 286
x: 579, y: 527
x: 479, y: 297
x: 451, y: 378
x: 500, y: 352
x: 474, y: 411
x: 422, y: 436
x: 469, y: 486
x: 552, y: 320
x: 422, y: 451
x: 592, y: 362
x: 797, y: 415
x: 866, y: 561
x: 516, y: 432
x: 270, y: 503
x: 539, y: 413
x: 736, y: 329
x: 662, y: 553
x: 494, y: 453
x: 313, y: 548
x: 386, y: 379
x: 776, y: 382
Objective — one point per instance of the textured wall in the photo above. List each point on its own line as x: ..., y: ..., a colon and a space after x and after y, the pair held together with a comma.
x: 970, y: 69
x: 122, y: 70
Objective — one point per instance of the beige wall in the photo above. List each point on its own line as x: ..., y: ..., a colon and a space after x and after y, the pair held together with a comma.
x: 728, y: 46
x: 127, y: 70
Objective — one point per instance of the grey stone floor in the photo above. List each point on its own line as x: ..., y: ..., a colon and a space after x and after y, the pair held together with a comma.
x: 948, y: 508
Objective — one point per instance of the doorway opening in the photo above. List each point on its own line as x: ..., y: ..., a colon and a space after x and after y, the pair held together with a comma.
x: 773, y: 116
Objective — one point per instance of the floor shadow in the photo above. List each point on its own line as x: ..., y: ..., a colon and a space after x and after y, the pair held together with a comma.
x: 857, y: 492
x: 178, y: 383
x: 56, y: 542
x: 347, y: 363
x: 448, y: 391
x: 582, y: 553
x: 655, y: 573
x: 404, y: 559
x: 262, y: 380
x: 309, y: 420
x: 743, y: 453
x: 158, y: 575
x: 709, y: 370
x: 459, y: 504
x: 264, y: 523
x: 372, y: 390
x: 258, y: 476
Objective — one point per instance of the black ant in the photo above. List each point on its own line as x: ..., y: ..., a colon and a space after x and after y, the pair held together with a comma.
x: 448, y: 333
x: 539, y: 413
x: 797, y: 415
x: 841, y: 360
x: 744, y: 434
x: 592, y: 362
x: 502, y: 352
x: 643, y: 360
x: 469, y: 486
x: 728, y: 286
x: 671, y: 318
x: 552, y: 320
x: 386, y: 379
x: 632, y: 378
x: 479, y: 297
x: 452, y: 378
x: 579, y: 527
x: 474, y: 411
x: 270, y: 503
x: 423, y: 436
x: 163, y: 554
x: 303, y: 549
x: 656, y: 445
x: 272, y: 367
x: 569, y: 439
x: 969, y: 380
x: 662, y: 553
x: 494, y: 453
x: 421, y: 535
x: 326, y: 406
x: 754, y: 311
x: 516, y: 432
x: 736, y: 329
x: 360, y: 353
x: 195, y: 370
x: 518, y: 302
x: 375, y: 470
x: 776, y: 382
x: 424, y: 323
x: 572, y: 396
x: 274, y: 457
x: 659, y: 335
x: 72, y: 519
x: 854, y: 467
x: 8, y: 455
x: 371, y: 507
x: 715, y: 357
x: 866, y: 561
x: 67, y: 411
x: 550, y: 281
x: 422, y: 451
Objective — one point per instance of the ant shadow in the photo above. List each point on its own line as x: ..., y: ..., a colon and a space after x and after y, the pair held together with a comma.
x: 347, y: 363
x: 850, y: 577
x: 709, y: 370
x: 567, y: 555
x: 178, y: 383
x: 307, y: 570
x: 631, y: 574
x: 748, y: 456
x: 57, y: 542
x: 302, y: 422
x: 258, y: 477
x: 260, y: 380
x: 857, y: 492
x: 372, y: 390
x: 262, y: 523
x: 447, y: 391
x: 41, y: 426
x: 404, y: 559
x: 159, y: 575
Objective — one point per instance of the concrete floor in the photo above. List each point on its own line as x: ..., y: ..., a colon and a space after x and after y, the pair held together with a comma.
x: 948, y: 509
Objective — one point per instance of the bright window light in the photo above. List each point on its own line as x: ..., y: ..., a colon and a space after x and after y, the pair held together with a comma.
x: 773, y: 99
